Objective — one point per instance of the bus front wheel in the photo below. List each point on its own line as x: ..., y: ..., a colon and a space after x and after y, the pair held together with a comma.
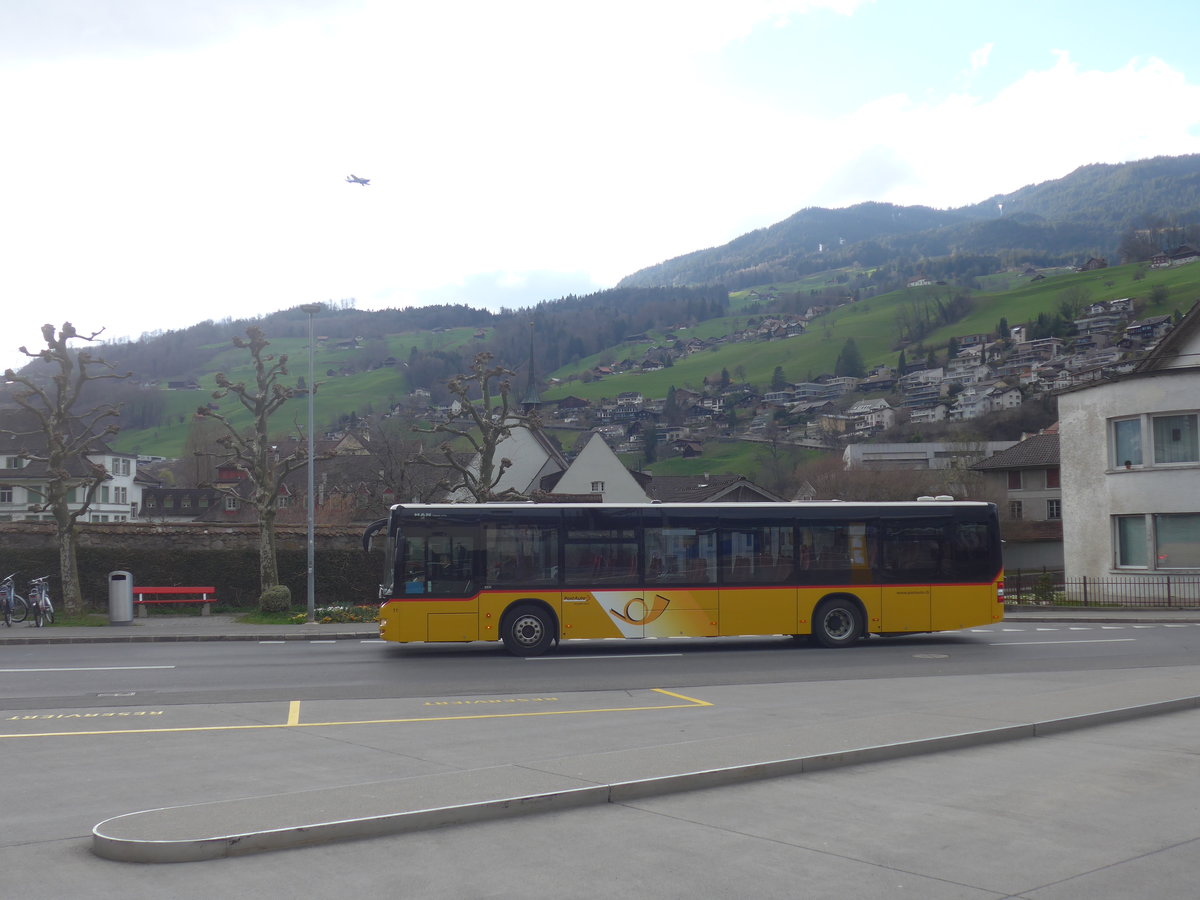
x: 528, y: 630
x: 837, y: 623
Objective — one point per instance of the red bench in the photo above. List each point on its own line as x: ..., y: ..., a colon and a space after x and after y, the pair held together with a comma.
x: 174, y: 595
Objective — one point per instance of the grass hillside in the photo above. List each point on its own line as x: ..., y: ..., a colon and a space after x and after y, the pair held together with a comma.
x: 873, y: 325
x: 337, y: 394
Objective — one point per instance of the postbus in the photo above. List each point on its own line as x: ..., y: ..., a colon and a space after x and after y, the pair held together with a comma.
x: 532, y: 574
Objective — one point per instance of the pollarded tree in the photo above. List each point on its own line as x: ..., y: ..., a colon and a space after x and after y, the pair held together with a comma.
x: 483, y: 414
x: 251, y: 449
x: 66, y: 437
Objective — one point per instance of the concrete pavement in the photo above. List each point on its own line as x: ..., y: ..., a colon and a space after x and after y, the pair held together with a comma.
x: 837, y: 726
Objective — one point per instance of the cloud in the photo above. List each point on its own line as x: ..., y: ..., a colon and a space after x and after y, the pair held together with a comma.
x: 962, y: 148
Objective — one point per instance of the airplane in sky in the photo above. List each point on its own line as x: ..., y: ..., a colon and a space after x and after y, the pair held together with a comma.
x: 354, y: 179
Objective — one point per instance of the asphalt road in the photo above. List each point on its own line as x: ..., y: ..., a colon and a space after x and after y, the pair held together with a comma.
x: 1103, y: 812
x: 89, y: 675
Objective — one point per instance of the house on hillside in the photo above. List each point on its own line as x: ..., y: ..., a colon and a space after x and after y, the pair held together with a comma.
x: 532, y: 456
x: 931, y: 455
x: 708, y: 488
x: 1130, y: 456
x: 1025, y: 480
x: 596, y: 473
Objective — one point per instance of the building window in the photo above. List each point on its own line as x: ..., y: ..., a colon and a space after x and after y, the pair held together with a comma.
x: 231, y: 503
x: 597, y: 487
x: 1052, y: 478
x: 1175, y: 439
x: 1127, y: 443
x: 6, y: 493
x: 1131, y: 542
x: 1177, y: 541
x: 1015, y: 509
x: 1014, y: 480
x: 151, y: 503
x: 12, y: 462
x: 185, y: 502
x: 1054, y: 509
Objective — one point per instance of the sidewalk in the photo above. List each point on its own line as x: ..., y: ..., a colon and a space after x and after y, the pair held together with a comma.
x: 154, y: 628
x: 219, y: 627
x: 704, y: 737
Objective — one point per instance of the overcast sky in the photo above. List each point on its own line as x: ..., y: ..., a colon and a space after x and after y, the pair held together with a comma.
x: 170, y: 161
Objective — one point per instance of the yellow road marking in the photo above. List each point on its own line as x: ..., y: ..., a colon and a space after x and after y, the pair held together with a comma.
x: 293, y: 719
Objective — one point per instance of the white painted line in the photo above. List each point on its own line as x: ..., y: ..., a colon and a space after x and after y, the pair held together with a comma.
x: 90, y: 669
x: 1183, y: 625
x: 1145, y: 626
x: 1012, y: 629
x: 373, y: 641
x: 615, y: 656
x: 272, y: 642
x: 1080, y: 628
x: 322, y: 642
x: 1112, y: 627
x: 1047, y: 643
x: 1047, y: 629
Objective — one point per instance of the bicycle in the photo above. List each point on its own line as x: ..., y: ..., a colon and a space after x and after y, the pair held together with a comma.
x: 39, y: 601
x: 15, y: 606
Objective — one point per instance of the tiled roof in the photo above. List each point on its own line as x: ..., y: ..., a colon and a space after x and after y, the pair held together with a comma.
x: 700, y: 488
x: 1037, y: 452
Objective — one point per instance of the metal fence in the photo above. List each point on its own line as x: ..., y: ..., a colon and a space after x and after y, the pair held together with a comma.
x: 1049, y: 588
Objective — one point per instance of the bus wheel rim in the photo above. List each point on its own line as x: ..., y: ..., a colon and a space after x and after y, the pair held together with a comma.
x: 528, y: 630
x: 838, y: 623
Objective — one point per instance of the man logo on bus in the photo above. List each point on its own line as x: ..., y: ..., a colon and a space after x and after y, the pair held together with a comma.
x: 642, y: 613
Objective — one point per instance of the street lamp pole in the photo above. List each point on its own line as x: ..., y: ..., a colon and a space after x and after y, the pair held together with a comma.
x: 312, y: 309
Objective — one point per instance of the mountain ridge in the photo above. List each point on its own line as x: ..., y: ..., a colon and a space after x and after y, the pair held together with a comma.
x: 1085, y: 213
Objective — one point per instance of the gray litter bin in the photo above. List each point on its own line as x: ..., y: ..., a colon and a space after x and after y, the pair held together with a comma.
x: 120, y: 598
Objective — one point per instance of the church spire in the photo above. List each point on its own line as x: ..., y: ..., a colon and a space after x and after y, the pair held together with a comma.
x: 532, y: 400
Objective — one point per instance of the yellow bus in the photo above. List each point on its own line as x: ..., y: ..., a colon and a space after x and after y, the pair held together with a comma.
x: 532, y: 574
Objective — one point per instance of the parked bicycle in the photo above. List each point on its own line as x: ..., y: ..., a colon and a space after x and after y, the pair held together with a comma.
x: 39, y: 602
x: 15, y: 606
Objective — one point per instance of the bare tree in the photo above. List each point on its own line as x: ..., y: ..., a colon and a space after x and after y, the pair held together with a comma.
x: 251, y: 449
x: 483, y: 417
x: 70, y: 434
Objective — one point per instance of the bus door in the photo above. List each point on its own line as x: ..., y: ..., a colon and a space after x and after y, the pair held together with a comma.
x: 437, y: 582
x: 679, y: 592
x: 966, y: 594
x: 601, y: 595
x: 910, y: 561
x: 757, y: 594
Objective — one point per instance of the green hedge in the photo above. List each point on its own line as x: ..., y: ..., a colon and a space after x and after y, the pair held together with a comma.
x: 341, y: 576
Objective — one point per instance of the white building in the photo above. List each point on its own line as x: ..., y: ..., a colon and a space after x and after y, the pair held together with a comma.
x: 1130, y: 454
x: 23, y: 484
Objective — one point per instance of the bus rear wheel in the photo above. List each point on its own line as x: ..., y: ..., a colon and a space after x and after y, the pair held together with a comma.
x: 837, y: 623
x: 528, y: 630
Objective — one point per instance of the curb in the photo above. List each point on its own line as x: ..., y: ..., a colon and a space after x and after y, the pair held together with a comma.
x: 190, y: 638
x: 309, y: 829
